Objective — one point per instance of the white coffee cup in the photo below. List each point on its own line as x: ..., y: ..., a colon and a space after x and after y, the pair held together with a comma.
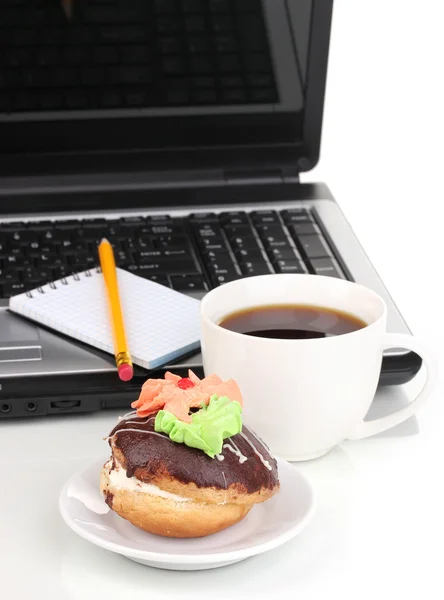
x: 305, y: 396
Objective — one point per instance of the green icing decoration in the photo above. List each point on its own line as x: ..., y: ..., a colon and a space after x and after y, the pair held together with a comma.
x: 210, y: 426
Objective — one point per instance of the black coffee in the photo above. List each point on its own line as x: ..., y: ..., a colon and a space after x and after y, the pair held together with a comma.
x: 291, y: 321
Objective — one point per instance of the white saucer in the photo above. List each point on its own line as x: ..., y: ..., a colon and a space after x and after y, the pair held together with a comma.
x: 267, y: 525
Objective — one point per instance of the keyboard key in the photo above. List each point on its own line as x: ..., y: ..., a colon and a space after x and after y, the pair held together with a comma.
x: 14, y: 226
x: 174, y: 65
x: 116, y: 35
x: 289, y: 266
x: 147, y: 256
x: 279, y: 245
x: 76, y: 99
x: 22, y: 237
x: 41, y: 225
x: 125, y: 75
x: 193, y: 6
x: 253, y: 255
x: 252, y: 269
x: 204, y: 82
x: 170, y: 45
x: 160, y: 279
x: 10, y: 276
x: 202, y: 217
x: 167, y: 25
x: 75, y: 55
x: 221, y: 263
x: 172, y: 266
x: 265, y: 95
x: 286, y: 253
x: 200, y: 65
x: 195, y: 24
x: 94, y: 76
x: 188, y: 283
x: 222, y: 23
x: 51, y: 100
x: 135, y: 54
x: 249, y: 243
x: 229, y: 63
x: 198, y: 45
x: 313, y: 246
x: 219, y: 6
x: 274, y: 236
x: 303, y: 228
x: 136, y: 98
x: 111, y: 98
x: 260, y: 80
x: 176, y: 253
x: 158, y: 219
x: 271, y: 230
x: 221, y: 279
x: 296, y: 215
x: 207, y: 230
x: 239, y: 231
x: 130, y: 221
x: 35, y: 78
x: 67, y: 225
x: 264, y: 216
x: 234, y: 218
x: 257, y: 63
x: 228, y: 271
x: 233, y: 96
x: 226, y: 44
x: 146, y: 271
x: 327, y: 267
x: 94, y: 223
x: 64, y: 77
x: 170, y: 242
x: 12, y: 289
x: 216, y: 256
x: 108, y: 55
x: 207, y: 244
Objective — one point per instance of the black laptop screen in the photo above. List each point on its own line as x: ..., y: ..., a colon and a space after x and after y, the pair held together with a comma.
x: 138, y: 76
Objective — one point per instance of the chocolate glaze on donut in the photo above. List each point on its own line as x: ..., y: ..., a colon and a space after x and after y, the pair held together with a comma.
x: 252, y: 467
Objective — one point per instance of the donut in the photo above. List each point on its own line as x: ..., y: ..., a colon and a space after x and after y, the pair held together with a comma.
x: 168, y: 480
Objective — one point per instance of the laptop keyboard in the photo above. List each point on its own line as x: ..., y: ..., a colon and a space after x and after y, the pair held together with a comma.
x: 133, y: 54
x: 192, y: 254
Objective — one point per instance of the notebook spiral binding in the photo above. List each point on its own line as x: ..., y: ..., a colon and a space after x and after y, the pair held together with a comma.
x: 64, y: 281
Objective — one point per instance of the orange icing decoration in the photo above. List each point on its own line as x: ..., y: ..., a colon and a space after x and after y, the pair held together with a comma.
x: 165, y: 394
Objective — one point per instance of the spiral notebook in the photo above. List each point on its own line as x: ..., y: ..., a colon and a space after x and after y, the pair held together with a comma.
x: 161, y: 324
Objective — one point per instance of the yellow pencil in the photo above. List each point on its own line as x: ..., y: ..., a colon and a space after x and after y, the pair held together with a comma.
x: 123, y: 359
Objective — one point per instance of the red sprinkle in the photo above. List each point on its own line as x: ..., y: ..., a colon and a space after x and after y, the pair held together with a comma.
x: 185, y: 383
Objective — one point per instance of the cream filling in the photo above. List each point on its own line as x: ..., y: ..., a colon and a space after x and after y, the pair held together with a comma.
x: 118, y: 479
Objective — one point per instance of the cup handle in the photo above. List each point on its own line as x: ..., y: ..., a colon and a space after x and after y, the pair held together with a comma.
x: 400, y: 340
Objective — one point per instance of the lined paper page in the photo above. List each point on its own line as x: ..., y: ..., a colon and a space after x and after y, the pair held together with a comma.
x: 161, y: 324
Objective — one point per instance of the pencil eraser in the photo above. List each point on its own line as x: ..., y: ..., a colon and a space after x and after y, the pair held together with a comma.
x: 125, y: 372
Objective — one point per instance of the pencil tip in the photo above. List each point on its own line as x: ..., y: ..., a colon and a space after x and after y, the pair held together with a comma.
x: 104, y: 241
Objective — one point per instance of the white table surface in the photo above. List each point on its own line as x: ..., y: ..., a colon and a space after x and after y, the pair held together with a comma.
x: 379, y: 525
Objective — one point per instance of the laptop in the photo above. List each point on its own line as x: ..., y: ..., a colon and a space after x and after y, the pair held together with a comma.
x: 179, y: 130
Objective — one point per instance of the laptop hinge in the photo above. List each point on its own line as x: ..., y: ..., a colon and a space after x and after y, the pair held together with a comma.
x: 265, y: 176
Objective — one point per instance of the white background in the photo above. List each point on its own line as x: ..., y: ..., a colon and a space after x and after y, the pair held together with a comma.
x: 382, y: 147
